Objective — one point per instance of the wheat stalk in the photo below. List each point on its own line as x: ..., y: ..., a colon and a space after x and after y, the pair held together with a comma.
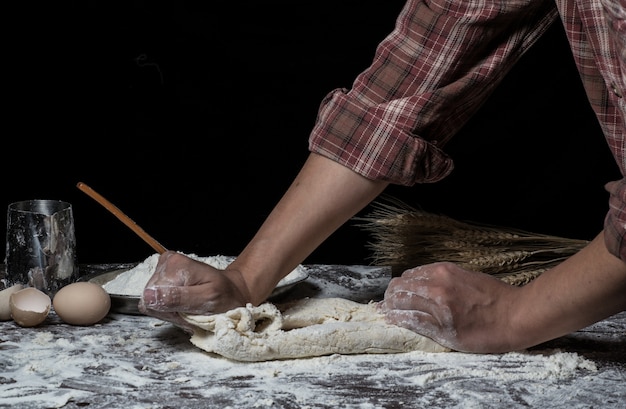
x: 404, y: 237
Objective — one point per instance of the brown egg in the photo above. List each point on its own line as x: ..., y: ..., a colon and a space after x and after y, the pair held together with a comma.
x: 5, y: 307
x: 29, y: 306
x: 81, y: 303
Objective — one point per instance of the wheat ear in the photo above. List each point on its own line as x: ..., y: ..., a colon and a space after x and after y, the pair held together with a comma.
x: 403, y: 237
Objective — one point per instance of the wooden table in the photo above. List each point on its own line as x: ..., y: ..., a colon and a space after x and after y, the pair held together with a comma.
x: 134, y: 361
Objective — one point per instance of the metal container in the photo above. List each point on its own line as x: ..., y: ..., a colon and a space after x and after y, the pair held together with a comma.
x: 40, y: 245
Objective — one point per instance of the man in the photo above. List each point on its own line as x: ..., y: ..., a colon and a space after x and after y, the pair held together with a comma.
x: 429, y: 76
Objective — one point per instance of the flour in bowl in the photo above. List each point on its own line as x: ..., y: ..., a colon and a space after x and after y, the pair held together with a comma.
x: 132, y: 282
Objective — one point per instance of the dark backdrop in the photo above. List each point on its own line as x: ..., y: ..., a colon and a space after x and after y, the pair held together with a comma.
x: 193, y: 119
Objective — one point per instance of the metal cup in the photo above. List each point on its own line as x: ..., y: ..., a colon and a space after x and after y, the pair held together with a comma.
x: 40, y: 245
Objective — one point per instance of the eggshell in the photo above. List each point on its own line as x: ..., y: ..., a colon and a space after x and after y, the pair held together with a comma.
x: 81, y: 303
x: 29, y: 306
x: 5, y: 307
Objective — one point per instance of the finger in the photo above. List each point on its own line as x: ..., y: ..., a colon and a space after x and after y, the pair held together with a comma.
x: 171, y: 317
x: 406, y: 297
x: 161, y: 298
x: 187, y: 299
x: 413, y: 272
x: 429, y: 271
x: 409, y: 281
x: 164, y: 262
x: 416, y: 321
x: 174, y: 269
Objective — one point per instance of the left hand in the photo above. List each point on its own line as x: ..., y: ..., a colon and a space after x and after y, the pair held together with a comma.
x: 463, y: 310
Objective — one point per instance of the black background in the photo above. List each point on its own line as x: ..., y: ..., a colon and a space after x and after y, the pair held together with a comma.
x: 193, y: 118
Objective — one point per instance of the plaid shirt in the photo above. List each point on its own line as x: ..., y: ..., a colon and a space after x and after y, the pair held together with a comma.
x: 443, y: 60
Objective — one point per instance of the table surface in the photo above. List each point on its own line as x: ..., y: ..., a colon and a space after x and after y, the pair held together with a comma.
x: 135, y: 361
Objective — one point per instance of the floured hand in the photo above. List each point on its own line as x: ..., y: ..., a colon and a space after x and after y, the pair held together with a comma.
x: 463, y: 310
x: 183, y: 285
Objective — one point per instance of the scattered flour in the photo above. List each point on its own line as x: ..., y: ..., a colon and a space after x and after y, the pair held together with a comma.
x: 130, y: 371
x: 142, y: 362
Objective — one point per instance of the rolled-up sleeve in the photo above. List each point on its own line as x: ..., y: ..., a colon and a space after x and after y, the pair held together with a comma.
x: 615, y: 222
x: 372, y: 141
x: 428, y: 77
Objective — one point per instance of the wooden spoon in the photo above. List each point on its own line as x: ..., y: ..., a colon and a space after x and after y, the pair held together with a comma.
x: 122, y: 217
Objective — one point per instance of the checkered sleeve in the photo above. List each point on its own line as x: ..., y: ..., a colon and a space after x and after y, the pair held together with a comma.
x: 428, y: 77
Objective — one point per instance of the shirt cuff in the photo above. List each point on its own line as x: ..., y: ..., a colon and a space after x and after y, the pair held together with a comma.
x: 615, y: 222
x: 371, y: 140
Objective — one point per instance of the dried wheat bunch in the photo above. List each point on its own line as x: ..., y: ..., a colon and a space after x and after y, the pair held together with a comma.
x: 404, y: 237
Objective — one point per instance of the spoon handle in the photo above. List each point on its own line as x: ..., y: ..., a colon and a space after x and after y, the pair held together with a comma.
x: 122, y: 217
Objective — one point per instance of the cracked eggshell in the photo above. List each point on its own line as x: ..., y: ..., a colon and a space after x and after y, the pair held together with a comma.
x: 82, y: 303
x: 29, y: 306
x: 5, y: 307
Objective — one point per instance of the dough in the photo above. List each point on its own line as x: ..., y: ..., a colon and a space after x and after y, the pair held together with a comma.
x: 304, y: 328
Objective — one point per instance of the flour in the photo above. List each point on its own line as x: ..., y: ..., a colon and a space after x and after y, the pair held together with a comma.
x: 133, y: 281
x: 138, y: 358
x: 141, y: 362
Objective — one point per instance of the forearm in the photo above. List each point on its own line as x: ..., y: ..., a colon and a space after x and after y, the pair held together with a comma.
x: 323, y: 196
x: 586, y: 288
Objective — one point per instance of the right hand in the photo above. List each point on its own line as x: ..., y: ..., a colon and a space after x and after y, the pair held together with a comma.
x: 464, y: 310
x: 181, y: 284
